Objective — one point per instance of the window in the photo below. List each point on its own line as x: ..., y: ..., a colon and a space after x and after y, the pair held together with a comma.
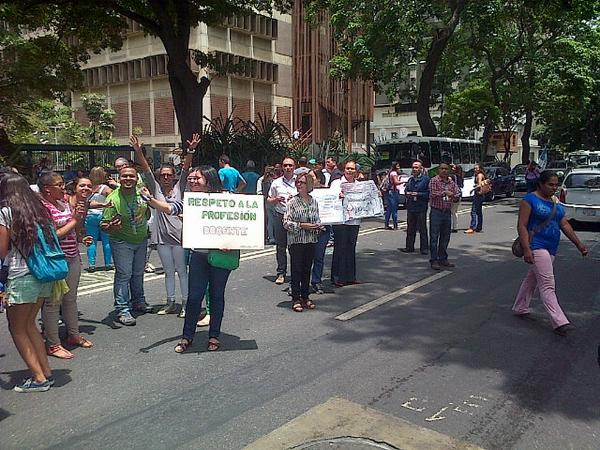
x: 583, y: 180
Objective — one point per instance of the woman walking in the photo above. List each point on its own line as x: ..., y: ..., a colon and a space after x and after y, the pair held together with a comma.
x: 392, y: 196
x: 301, y: 220
x: 541, y: 219
x: 96, y: 203
x: 481, y: 189
x: 21, y: 213
x: 532, y: 175
x: 459, y: 179
x: 66, y: 220
x: 201, y: 273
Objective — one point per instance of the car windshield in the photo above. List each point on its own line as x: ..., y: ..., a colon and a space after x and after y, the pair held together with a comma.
x: 583, y: 180
x: 556, y: 165
x: 520, y: 170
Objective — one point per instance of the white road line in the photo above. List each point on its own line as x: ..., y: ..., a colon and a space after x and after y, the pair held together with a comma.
x: 392, y: 296
x: 90, y: 289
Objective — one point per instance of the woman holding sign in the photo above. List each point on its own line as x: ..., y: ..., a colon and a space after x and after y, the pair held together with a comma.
x: 343, y: 267
x: 301, y: 220
x: 201, y: 273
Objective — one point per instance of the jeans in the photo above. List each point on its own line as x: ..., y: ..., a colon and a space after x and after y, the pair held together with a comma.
x: 417, y: 221
x: 173, y: 260
x: 541, y: 275
x: 319, y: 260
x: 301, y: 259
x: 130, y: 260
x: 92, y: 228
x: 67, y: 307
x: 477, y: 212
x: 440, y: 222
x: 343, y: 267
x: 201, y: 276
x: 392, y: 199
x: 281, y: 242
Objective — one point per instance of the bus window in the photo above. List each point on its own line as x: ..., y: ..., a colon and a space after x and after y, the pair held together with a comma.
x: 434, y: 152
x: 424, y: 154
x: 465, y: 154
x: 446, y: 153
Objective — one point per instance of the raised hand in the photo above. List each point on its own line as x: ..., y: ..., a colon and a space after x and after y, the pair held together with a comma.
x: 135, y: 142
x: 194, y: 142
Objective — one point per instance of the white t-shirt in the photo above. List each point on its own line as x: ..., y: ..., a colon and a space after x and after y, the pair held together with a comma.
x: 284, y: 188
x: 17, y: 266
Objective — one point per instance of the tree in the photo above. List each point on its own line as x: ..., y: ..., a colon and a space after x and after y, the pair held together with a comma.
x: 377, y: 40
x: 101, y: 118
x: 99, y: 24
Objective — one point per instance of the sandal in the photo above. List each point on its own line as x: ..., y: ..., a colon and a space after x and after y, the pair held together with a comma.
x: 80, y: 341
x: 213, y: 344
x: 59, y: 351
x: 183, y: 345
x: 309, y: 304
x: 297, y: 307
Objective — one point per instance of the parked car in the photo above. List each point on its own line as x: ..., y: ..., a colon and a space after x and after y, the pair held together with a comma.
x: 519, y: 173
x: 503, y: 183
x: 580, y: 195
x: 561, y: 167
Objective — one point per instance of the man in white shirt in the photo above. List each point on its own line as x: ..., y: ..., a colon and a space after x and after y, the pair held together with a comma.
x: 282, y: 189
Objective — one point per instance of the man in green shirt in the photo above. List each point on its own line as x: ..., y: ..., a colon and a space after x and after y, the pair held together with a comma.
x: 126, y: 220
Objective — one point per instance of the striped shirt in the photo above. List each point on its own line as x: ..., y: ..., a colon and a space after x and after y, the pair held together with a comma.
x: 300, y: 211
x: 68, y: 243
x: 437, y: 198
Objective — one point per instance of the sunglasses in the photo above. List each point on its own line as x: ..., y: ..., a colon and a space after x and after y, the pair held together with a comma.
x: 300, y: 182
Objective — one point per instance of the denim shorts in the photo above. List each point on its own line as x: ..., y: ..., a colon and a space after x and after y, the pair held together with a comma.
x: 26, y: 289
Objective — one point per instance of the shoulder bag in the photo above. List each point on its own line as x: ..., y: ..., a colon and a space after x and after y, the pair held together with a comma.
x: 517, y: 248
x: 229, y: 260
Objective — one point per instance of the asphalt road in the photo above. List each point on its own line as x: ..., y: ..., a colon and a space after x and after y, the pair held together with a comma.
x: 444, y: 354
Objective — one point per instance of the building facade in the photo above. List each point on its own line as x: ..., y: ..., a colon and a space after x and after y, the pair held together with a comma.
x: 135, y: 83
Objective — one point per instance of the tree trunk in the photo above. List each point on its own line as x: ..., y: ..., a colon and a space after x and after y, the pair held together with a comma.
x: 526, y: 135
x: 434, y: 56
x: 485, y: 139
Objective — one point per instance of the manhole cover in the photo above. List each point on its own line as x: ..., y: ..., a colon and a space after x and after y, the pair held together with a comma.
x: 344, y: 443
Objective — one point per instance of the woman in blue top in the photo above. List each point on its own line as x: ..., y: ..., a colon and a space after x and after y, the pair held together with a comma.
x: 541, y: 220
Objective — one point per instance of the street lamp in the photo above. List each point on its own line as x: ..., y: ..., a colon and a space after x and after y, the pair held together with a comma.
x: 56, y: 127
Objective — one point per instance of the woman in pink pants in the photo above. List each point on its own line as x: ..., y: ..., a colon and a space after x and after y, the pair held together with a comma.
x: 541, y: 220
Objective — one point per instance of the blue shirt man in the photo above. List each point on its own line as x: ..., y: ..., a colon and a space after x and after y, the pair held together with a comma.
x: 230, y: 177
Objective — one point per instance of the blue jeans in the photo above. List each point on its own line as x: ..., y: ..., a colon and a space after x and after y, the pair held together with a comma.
x: 130, y: 260
x: 202, y: 275
x: 92, y: 228
x: 440, y: 225
x: 392, y: 199
x: 319, y: 261
x: 477, y: 212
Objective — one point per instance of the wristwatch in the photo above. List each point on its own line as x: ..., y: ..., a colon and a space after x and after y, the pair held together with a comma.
x: 190, y: 151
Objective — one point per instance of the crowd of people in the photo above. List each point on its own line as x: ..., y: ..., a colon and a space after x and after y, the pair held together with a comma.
x: 144, y: 207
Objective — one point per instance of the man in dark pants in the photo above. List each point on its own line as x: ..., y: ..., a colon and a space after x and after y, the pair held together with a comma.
x: 443, y: 191
x: 416, y: 193
x: 282, y: 189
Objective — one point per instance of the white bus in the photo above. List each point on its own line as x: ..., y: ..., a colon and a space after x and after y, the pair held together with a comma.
x: 430, y: 151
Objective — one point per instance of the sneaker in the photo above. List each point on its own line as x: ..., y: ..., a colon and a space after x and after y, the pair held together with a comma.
x: 50, y: 380
x: 109, y: 268
x: 204, y: 322
x: 142, y: 307
x: 149, y: 268
x: 280, y: 279
x: 317, y: 288
x: 169, y: 308
x: 29, y: 385
x: 90, y: 269
x: 436, y: 266
x: 126, y: 319
x: 564, y: 329
x: 445, y: 263
x: 407, y: 250
x: 181, y: 314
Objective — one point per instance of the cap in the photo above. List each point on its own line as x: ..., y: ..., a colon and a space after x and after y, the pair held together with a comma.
x: 312, y: 161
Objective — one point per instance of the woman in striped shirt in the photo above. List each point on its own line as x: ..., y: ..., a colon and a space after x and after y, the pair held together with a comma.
x: 301, y: 220
x: 66, y: 220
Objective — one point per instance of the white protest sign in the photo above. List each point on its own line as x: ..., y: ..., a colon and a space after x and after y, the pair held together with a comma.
x: 223, y: 221
x: 361, y: 199
x: 331, y: 210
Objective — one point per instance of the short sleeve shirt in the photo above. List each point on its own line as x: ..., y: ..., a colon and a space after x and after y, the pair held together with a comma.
x: 133, y: 211
x: 230, y: 177
x: 17, y: 265
x: 548, y: 237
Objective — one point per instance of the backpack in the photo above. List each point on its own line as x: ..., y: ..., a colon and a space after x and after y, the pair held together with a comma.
x: 386, y: 184
x: 47, y: 263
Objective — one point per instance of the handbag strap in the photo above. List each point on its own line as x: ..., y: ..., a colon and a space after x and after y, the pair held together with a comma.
x: 544, y: 223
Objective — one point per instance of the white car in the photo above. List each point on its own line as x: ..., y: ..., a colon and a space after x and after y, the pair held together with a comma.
x: 580, y: 195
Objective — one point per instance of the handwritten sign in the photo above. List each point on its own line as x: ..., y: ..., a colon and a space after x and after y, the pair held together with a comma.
x: 222, y: 220
x: 331, y: 211
x: 361, y: 199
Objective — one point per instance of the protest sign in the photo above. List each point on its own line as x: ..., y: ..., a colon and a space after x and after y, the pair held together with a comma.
x: 331, y: 210
x: 361, y: 199
x: 223, y: 221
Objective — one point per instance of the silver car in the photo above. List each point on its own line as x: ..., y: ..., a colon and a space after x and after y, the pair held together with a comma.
x: 580, y: 195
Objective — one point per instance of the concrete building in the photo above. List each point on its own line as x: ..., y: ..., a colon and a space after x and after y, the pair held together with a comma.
x: 134, y: 79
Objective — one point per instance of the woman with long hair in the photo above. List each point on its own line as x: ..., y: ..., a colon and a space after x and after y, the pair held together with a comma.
x: 541, y: 219
x: 67, y: 221
x: 96, y: 203
x: 20, y: 215
x: 201, y: 273
x: 392, y: 196
x: 479, y: 193
x: 301, y: 220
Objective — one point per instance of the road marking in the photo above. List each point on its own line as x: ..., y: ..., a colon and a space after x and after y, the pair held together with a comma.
x: 108, y: 285
x: 392, y: 296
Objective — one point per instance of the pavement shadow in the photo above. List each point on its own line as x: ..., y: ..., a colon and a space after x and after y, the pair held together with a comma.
x: 229, y: 342
x: 109, y: 321
x: 61, y: 378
